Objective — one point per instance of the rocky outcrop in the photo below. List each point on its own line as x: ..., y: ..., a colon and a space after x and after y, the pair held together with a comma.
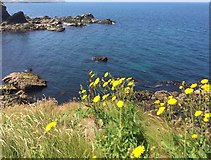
x: 21, y: 23
x: 100, y: 58
x: 25, y: 81
x: 16, y: 88
x: 5, y: 14
x: 17, y: 18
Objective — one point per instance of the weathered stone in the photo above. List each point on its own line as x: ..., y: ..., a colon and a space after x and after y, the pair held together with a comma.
x: 25, y: 81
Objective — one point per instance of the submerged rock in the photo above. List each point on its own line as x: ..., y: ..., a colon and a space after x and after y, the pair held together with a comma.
x: 100, y: 58
x: 17, y: 18
x: 25, y: 81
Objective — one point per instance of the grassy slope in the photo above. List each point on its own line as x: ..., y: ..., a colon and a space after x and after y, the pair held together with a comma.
x: 24, y: 132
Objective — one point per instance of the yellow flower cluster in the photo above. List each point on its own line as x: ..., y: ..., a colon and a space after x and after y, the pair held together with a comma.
x: 107, y: 88
x: 138, y: 151
x: 50, y: 125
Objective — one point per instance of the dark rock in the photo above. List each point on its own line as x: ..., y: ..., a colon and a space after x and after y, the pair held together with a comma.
x: 5, y: 14
x: 17, y: 18
x: 25, y: 81
x: 100, y: 58
x: 107, y: 21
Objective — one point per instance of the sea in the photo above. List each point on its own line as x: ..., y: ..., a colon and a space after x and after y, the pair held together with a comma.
x: 150, y: 42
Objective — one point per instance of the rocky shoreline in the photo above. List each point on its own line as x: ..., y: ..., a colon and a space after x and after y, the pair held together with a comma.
x: 19, y: 22
x: 19, y: 84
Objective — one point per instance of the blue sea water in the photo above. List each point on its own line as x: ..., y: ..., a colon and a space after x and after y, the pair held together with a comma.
x: 150, y: 42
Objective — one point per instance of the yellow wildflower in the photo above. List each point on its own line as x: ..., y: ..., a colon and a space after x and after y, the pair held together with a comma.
x: 84, y: 97
x: 197, y: 113
x: 157, y: 102
x: 112, y: 81
x: 206, y: 119
x: 112, y: 88
x: 83, y: 91
x: 194, y: 136
x: 206, y: 87
x: 207, y: 115
x: 96, y: 99
x: 94, y: 157
x: 109, y: 80
x: 97, y: 80
x: 104, y: 103
x: 170, y: 97
x: 113, y: 98
x: 204, y: 81
x: 130, y: 84
x: 120, y: 104
x: 127, y: 90
x: 92, y: 75
x: 162, y: 104
x: 137, y: 152
x: 115, y: 83
x: 90, y: 72
x: 105, y: 96
x: 129, y: 78
x: 188, y: 91
x: 49, y: 126
x: 105, y: 84
x: 194, y: 85
x: 180, y: 87
x: 91, y: 84
x: 106, y: 74
x: 160, y: 110
x: 121, y: 80
x: 172, y: 101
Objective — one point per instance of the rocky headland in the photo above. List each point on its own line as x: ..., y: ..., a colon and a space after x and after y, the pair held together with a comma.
x: 19, y: 22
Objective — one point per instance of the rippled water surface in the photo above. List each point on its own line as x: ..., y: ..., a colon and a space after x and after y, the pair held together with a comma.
x: 150, y: 42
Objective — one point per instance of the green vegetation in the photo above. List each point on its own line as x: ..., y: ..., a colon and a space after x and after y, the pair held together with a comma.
x: 110, y: 122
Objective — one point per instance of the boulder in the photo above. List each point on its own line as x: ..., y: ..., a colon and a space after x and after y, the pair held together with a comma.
x: 5, y: 14
x: 100, y: 58
x: 17, y: 18
x: 26, y: 81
